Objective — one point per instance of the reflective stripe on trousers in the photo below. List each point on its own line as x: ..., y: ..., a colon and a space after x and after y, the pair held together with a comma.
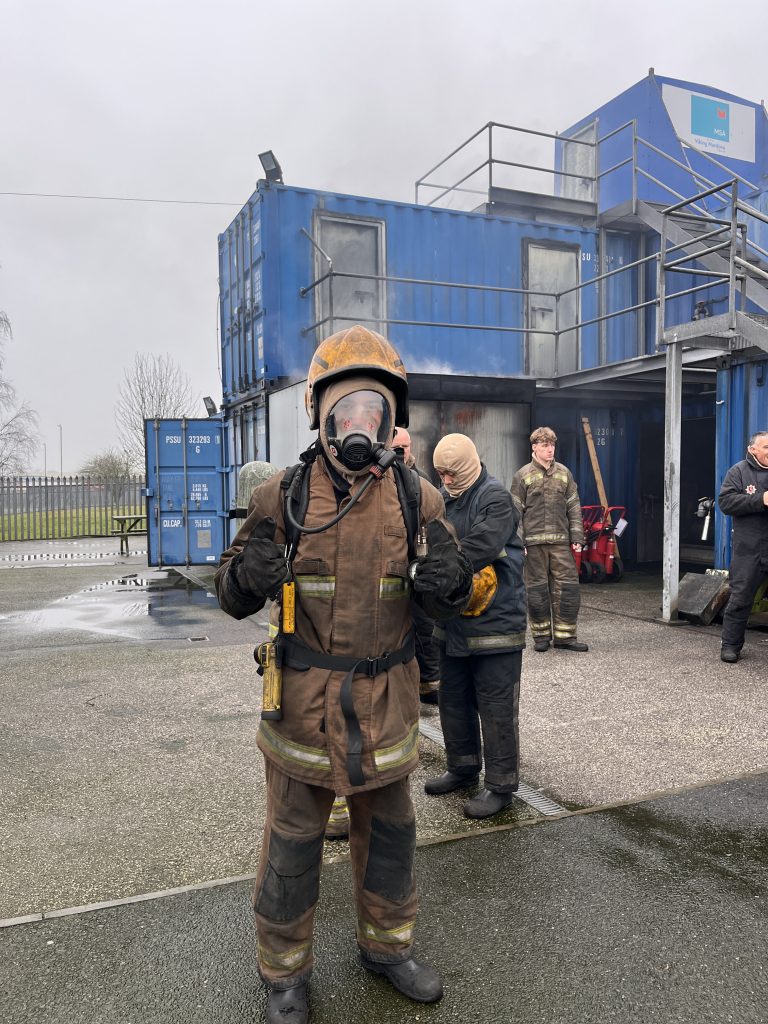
x: 552, y: 584
x: 382, y: 841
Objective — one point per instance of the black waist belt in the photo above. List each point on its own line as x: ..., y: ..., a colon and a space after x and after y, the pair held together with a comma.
x: 296, y: 655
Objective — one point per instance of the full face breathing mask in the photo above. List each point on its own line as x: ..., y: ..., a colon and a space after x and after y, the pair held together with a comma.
x: 358, y: 427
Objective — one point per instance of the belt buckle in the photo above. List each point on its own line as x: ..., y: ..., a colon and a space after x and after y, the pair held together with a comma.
x: 374, y: 666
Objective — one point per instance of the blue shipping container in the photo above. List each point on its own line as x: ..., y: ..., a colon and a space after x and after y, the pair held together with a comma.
x: 187, y: 501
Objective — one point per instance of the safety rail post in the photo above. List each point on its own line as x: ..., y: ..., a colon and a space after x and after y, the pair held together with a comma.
x: 661, y: 285
x: 634, y: 166
x: 602, y: 293
x: 672, y: 429
x: 744, y: 256
x: 490, y: 159
x: 732, y: 254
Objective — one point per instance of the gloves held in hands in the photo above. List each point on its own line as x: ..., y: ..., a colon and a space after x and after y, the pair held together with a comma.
x: 261, y: 568
x: 444, y: 570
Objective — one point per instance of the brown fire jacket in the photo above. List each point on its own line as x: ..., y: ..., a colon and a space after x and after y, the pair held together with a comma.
x: 548, y: 503
x: 352, y: 598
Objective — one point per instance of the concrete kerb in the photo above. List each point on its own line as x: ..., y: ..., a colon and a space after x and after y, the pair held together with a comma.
x: 455, y: 837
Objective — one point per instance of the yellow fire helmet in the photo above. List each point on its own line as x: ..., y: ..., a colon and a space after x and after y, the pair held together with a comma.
x: 484, y: 585
x: 356, y: 350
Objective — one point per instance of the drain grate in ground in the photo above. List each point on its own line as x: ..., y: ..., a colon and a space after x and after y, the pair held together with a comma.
x: 526, y: 793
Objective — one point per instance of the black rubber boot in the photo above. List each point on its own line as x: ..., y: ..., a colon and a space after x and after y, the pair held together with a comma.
x: 415, y: 980
x: 448, y: 782
x: 487, y: 803
x: 571, y: 645
x: 288, y: 1005
x: 729, y: 654
x: 541, y: 644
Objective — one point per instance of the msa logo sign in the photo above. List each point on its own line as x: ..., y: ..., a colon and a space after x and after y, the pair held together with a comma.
x: 710, y: 118
x: 720, y: 126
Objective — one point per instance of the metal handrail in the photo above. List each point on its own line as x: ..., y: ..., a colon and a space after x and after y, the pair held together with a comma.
x: 452, y: 154
x: 422, y: 182
x: 751, y: 211
x: 390, y: 278
x: 667, y: 188
x: 723, y: 167
x: 453, y: 188
x: 685, y: 208
x: 610, y: 134
x: 437, y: 323
x: 545, y: 170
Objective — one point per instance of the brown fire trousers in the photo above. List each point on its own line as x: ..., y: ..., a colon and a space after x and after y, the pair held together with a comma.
x: 382, y: 841
x: 553, y: 591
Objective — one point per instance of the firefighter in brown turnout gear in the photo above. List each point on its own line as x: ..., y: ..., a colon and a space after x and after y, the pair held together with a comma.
x: 339, y: 531
x: 546, y: 497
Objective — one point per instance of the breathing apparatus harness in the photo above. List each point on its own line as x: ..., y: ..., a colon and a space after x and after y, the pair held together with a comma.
x: 293, y: 653
x: 296, y: 494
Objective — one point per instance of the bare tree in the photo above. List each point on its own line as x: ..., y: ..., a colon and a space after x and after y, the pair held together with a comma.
x: 18, y: 423
x: 153, y: 386
x: 113, y: 468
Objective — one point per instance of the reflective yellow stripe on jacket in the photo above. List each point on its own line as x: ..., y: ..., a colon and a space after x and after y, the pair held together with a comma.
x: 325, y: 586
x: 316, y: 586
x: 393, y: 586
x: 314, y: 757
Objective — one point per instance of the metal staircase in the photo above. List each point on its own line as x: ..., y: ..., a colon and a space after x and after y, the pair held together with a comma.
x: 720, y: 249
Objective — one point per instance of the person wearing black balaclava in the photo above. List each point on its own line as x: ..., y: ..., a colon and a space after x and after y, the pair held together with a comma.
x: 350, y: 702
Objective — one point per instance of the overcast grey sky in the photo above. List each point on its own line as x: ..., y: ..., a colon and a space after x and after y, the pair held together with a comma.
x: 174, y: 100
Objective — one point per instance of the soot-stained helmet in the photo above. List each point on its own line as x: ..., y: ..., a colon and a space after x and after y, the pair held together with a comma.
x: 356, y: 350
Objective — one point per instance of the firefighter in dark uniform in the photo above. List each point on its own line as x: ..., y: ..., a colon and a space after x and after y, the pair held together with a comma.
x: 350, y: 699
x: 482, y: 650
x: 744, y: 495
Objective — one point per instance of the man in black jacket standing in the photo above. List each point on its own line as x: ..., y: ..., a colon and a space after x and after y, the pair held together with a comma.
x: 481, y: 651
x: 744, y: 495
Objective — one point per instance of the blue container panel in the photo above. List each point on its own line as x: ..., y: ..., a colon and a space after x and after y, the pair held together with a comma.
x: 272, y: 341
x: 742, y: 410
x: 679, y: 309
x: 621, y: 293
x: 241, y: 290
x: 645, y: 103
x: 186, y: 488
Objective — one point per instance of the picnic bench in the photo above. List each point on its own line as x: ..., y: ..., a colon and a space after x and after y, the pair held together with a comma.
x: 124, y: 526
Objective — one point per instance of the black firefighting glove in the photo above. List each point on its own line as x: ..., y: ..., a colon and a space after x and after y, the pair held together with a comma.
x: 261, y: 567
x: 445, y: 571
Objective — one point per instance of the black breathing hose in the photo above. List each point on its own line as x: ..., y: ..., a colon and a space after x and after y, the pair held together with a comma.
x: 326, y: 526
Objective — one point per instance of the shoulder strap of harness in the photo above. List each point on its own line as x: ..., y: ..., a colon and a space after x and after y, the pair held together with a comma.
x: 295, y: 489
x: 409, y: 493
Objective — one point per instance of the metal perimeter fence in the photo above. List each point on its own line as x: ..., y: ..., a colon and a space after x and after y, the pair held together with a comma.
x: 49, y: 508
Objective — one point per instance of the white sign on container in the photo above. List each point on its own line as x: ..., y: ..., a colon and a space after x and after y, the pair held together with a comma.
x: 717, y: 126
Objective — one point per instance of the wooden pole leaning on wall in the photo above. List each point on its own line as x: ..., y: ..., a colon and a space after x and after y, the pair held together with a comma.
x: 601, y: 495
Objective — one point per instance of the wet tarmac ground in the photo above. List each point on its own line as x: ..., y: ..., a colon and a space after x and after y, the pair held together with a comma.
x: 652, y: 912
x: 128, y: 767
